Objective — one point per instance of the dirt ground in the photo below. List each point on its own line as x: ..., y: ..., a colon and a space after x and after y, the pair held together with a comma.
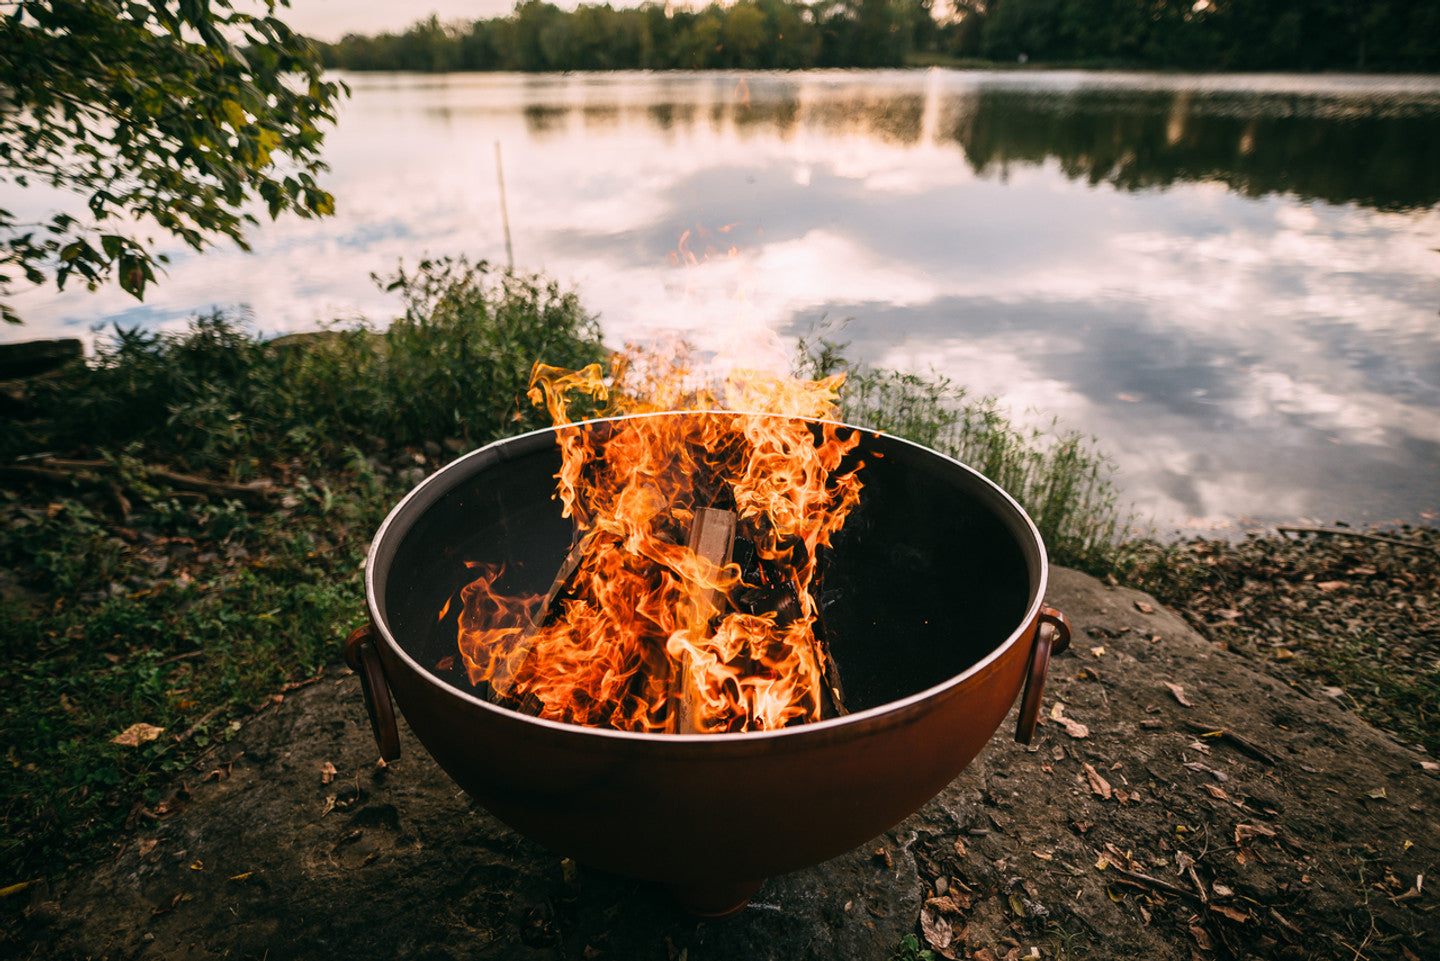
x: 1178, y: 802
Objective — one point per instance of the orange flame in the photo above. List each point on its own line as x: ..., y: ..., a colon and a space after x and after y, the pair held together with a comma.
x: 641, y: 621
x: 683, y: 256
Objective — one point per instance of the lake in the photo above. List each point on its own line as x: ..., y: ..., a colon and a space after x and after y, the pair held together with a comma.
x: 1230, y: 281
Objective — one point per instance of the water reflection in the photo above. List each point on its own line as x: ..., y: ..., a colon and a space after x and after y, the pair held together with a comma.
x: 1369, y: 144
x: 1231, y: 282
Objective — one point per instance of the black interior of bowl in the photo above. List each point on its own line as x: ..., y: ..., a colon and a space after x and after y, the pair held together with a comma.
x: 926, y: 579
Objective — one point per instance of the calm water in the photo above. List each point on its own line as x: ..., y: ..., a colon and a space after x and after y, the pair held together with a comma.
x: 1230, y: 281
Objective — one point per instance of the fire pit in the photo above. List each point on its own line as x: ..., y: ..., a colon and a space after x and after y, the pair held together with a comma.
x: 932, y: 600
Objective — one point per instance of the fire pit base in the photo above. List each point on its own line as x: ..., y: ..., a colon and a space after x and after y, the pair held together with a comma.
x: 713, y: 902
x: 933, y: 609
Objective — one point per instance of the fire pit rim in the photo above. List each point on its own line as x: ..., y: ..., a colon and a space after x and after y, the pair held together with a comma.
x: 432, y: 488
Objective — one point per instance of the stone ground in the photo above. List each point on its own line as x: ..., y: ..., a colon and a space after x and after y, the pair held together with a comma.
x: 1177, y: 803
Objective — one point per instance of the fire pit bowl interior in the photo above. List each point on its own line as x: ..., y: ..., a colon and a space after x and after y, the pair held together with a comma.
x: 932, y: 599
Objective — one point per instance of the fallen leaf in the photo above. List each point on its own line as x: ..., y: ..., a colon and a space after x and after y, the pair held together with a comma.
x: 327, y: 772
x: 1179, y: 692
x: 1244, y: 832
x: 1330, y: 587
x: 937, y: 929
x: 1043, y: 855
x: 1144, y: 608
x: 1377, y: 795
x: 1017, y: 904
x: 1217, y: 792
x: 1097, y: 783
x: 1072, y: 727
x: 945, y: 905
x: 1234, y: 914
x: 329, y: 805
x: 1222, y: 890
x: 1429, y: 765
x: 1201, y: 938
x: 960, y: 847
x: 136, y: 735
x: 1199, y: 768
x: 146, y: 846
x: 1098, y: 651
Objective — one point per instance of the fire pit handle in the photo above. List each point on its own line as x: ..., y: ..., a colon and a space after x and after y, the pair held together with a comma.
x: 360, y: 654
x: 1052, y: 636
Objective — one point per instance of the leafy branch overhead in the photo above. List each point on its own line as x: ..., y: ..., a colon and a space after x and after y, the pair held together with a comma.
x: 159, y: 118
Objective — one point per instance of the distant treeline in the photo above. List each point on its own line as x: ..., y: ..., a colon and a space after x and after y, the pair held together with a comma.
x: 1385, y: 35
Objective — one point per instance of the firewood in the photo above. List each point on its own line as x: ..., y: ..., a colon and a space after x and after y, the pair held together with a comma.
x: 783, y: 600
x: 712, y: 538
x: 502, y: 682
x: 830, y: 675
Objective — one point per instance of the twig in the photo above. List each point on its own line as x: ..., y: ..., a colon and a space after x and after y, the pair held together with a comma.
x: 1242, y: 744
x: 1135, y: 877
x: 504, y: 212
x: 1347, y: 532
x: 57, y: 470
x: 1190, y: 869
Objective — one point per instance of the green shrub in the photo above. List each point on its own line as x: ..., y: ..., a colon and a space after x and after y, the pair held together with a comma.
x: 454, y: 367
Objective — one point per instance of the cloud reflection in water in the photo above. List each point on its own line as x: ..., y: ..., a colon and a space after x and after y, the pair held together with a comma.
x: 1234, y: 289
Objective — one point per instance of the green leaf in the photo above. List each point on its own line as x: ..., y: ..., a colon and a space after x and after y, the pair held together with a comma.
x: 135, y: 107
x: 234, y: 113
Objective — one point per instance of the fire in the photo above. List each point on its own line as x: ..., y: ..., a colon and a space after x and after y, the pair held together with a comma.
x: 687, y: 602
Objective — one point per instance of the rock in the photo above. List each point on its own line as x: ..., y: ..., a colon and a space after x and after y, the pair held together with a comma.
x: 279, y: 854
x: 33, y: 357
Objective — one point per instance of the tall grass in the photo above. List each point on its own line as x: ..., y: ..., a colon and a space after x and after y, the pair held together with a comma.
x: 1059, y: 476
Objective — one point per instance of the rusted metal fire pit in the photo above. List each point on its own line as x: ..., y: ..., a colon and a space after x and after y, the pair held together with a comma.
x: 933, y: 599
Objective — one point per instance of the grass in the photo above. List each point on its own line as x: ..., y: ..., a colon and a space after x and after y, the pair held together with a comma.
x: 131, y: 602
x: 113, y: 645
x: 1060, y: 477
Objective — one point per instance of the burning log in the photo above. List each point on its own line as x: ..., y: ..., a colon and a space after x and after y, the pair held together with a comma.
x: 712, y: 538
x: 771, y: 593
x: 674, y: 596
x: 830, y: 673
x: 502, y: 682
